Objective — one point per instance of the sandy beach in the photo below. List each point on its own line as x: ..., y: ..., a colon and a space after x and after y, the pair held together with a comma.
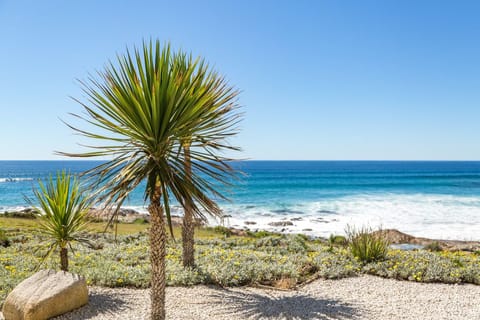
x: 364, y: 297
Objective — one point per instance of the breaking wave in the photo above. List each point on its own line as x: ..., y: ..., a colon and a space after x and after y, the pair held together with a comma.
x: 15, y: 179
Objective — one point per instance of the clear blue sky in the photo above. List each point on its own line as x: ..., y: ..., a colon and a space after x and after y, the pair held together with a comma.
x: 319, y: 79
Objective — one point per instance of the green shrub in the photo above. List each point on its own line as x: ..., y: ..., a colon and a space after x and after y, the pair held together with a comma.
x: 260, y: 234
x: 366, y: 245
x: 4, y: 241
x: 427, y: 266
x: 222, y: 230
x: 335, y: 263
x: 303, y: 237
x: 124, y: 261
x: 25, y: 214
x: 283, y: 243
x: 434, y: 246
x: 140, y: 221
x: 337, y: 240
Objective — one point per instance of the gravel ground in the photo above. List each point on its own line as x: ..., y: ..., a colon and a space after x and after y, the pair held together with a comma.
x: 363, y: 297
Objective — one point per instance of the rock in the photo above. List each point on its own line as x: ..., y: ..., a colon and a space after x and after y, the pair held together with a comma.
x: 27, y: 213
x: 124, y: 215
x: 237, y: 232
x: 307, y: 229
x: 250, y: 222
x: 396, y: 237
x: 131, y: 216
x: 326, y: 211
x: 280, y: 223
x: 296, y: 219
x: 287, y: 211
x: 44, y: 295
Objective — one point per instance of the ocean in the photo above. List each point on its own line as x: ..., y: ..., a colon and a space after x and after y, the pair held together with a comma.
x: 435, y: 199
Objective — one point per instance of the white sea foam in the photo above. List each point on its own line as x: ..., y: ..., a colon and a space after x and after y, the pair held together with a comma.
x: 432, y: 216
x: 12, y: 209
x: 14, y: 179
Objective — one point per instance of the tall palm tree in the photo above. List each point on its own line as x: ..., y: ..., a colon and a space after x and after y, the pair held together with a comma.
x: 140, y: 111
x: 62, y: 211
x: 188, y: 225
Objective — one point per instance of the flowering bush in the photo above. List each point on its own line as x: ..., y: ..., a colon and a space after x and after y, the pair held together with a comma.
x: 426, y: 266
x: 233, y: 261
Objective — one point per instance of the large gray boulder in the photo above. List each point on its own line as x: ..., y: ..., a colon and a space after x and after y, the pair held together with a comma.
x: 44, y: 295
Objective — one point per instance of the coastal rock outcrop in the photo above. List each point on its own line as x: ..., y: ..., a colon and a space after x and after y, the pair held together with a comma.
x: 396, y: 237
x: 27, y: 213
x: 126, y: 215
x: 44, y: 295
x: 280, y: 223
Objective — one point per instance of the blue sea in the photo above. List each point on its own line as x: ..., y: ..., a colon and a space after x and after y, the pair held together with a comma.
x: 433, y: 199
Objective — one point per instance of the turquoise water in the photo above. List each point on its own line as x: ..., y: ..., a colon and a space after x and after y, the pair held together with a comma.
x: 434, y: 199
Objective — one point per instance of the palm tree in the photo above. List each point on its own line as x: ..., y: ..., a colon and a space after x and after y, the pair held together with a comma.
x: 142, y: 110
x: 188, y: 226
x: 62, y: 212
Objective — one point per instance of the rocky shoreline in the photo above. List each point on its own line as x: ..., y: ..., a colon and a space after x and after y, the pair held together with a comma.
x: 395, y: 237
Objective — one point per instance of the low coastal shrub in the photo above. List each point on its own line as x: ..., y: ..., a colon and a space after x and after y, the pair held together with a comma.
x: 335, y: 263
x: 140, y: 221
x: 260, y: 234
x: 434, y: 246
x: 337, y: 240
x: 426, y: 266
x: 277, y: 260
x: 366, y: 245
x: 222, y: 230
x: 24, y: 214
x: 4, y: 241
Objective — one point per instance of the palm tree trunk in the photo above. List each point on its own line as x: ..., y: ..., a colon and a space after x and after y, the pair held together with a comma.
x: 64, y: 259
x: 157, y: 256
x: 188, y: 229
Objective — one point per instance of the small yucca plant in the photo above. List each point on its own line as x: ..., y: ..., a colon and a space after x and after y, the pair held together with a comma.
x: 366, y: 245
x: 62, y: 211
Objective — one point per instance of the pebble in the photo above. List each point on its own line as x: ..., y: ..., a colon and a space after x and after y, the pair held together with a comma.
x: 363, y: 297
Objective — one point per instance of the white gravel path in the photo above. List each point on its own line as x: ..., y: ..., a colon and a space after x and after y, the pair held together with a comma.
x: 364, y: 297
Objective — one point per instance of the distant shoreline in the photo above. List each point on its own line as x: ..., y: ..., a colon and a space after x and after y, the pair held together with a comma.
x: 431, y: 199
x: 130, y: 216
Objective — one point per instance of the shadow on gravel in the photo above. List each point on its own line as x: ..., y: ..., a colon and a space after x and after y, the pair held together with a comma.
x: 98, y: 304
x: 294, y: 307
